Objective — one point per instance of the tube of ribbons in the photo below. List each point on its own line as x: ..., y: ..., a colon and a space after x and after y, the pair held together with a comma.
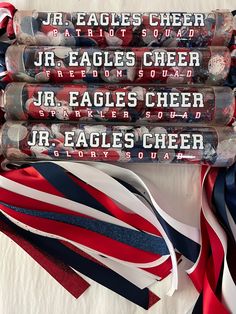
x: 119, y: 65
x: 119, y: 103
x: 124, y: 143
x: 178, y: 29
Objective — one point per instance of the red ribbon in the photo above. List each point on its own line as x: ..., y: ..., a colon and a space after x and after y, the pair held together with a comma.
x: 6, y: 25
x: 207, y: 275
x: 68, y: 278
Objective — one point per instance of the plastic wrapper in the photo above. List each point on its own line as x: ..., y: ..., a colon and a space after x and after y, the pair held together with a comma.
x: 119, y: 103
x: 177, y: 29
x: 118, y: 65
x: 120, y: 143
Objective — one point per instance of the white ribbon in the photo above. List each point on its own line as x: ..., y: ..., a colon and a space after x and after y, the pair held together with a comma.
x: 105, y: 183
x: 228, y: 286
x: 4, y: 13
x: 116, y: 264
x: 128, y: 270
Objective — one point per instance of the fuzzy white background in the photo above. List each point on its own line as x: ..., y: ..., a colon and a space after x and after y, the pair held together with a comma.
x: 26, y: 288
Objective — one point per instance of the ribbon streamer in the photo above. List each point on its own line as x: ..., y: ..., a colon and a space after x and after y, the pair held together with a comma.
x: 35, y: 220
x: 212, y: 264
x: 61, y: 272
x: 212, y: 274
x: 117, y: 181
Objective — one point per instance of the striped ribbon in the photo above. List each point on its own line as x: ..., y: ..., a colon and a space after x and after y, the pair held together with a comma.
x: 77, y: 204
x: 61, y: 272
x: 101, y: 220
x: 212, y: 274
x: 126, y: 249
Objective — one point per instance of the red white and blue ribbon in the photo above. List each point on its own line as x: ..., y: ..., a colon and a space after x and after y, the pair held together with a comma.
x: 101, y: 213
x: 212, y: 274
x: 106, y: 217
x: 67, y: 212
x: 61, y: 272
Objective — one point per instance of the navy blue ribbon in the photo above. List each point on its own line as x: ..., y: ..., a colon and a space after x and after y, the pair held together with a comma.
x: 97, y: 272
x: 230, y: 197
x: 198, y: 307
x: 224, y: 193
x: 231, y: 80
x: 3, y: 68
x: 183, y: 244
x: 219, y: 198
x: 58, y: 177
x: 131, y: 237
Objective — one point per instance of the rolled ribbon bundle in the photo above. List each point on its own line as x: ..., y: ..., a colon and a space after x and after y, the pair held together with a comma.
x: 119, y: 103
x: 129, y: 143
x: 118, y: 65
x: 104, y: 29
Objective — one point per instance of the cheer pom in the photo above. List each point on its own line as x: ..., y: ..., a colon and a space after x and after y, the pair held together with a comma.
x: 75, y: 213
